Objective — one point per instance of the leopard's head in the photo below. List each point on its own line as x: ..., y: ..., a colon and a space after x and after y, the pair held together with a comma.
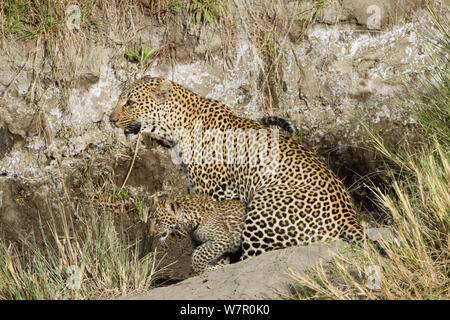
x: 163, y: 218
x: 143, y: 107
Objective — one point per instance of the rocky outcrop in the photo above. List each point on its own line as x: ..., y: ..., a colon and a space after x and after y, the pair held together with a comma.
x: 267, y: 276
x: 323, y: 74
x: 263, y: 277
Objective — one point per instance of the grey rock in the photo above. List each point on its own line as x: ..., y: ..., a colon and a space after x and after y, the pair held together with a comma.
x: 381, y: 234
x: 262, y: 277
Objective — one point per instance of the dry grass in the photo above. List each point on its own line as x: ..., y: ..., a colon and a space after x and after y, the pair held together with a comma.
x: 63, y: 49
x: 415, y: 264
x: 82, y: 238
x: 62, y: 57
x: 268, y: 25
x: 109, y: 264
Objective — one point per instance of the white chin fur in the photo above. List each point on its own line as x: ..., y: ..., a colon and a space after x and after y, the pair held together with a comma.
x: 131, y: 137
x: 164, y: 237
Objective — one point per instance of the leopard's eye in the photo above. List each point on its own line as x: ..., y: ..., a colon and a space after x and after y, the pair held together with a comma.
x: 128, y: 103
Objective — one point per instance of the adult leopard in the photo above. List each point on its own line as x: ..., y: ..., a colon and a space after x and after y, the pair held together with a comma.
x: 292, y: 197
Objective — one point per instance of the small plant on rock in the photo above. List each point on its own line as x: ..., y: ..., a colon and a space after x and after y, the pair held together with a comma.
x: 140, y: 55
x: 202, y: 10
x: 175, y: 6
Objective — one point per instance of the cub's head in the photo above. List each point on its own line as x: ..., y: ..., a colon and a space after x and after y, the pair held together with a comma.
x: 143, y: 106
x: 164, y: 218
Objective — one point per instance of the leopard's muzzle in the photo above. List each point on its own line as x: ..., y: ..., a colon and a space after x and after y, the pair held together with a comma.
x: 133, y: 128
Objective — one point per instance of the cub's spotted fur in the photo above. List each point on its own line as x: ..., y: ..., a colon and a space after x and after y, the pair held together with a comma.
x: 215, y: 227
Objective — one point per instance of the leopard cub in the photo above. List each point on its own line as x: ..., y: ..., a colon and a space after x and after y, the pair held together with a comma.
x: 215, y: 227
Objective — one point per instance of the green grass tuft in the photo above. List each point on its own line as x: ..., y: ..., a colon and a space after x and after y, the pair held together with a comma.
x: 91, y: 261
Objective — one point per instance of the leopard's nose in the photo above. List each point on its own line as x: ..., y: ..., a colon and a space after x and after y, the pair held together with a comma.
x: 115, y: 115
x: 113, y: 120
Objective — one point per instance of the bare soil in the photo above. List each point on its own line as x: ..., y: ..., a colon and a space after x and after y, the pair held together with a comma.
x: 25, y: 209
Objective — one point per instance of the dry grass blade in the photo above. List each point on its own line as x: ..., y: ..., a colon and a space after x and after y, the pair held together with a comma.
x: 132, y: 161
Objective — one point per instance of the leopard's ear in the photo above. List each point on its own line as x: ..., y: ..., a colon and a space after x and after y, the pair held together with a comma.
x: 174, y: 208
x: 165, y: 85
x: 161, y: 94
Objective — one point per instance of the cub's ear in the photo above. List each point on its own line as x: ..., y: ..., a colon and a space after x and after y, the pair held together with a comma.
x: 162, y: 93
x: 174, y: 208
x: 159, y: 196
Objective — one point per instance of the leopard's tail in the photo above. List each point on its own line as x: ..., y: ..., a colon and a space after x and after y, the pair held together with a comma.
x: 279, y: 122
x: 352, y: 232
